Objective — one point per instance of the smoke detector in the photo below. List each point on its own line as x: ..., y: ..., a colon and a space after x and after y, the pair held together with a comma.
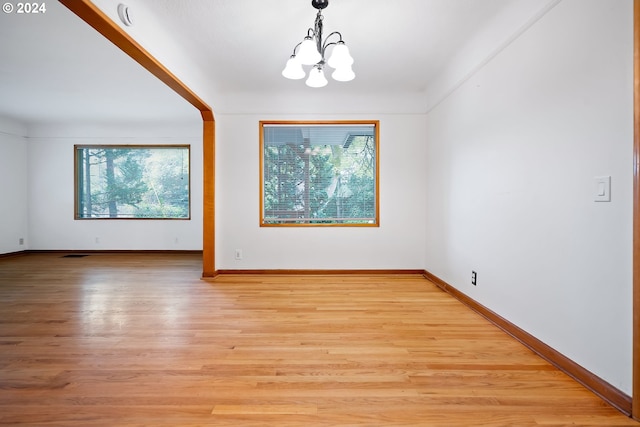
x: 125, y: 14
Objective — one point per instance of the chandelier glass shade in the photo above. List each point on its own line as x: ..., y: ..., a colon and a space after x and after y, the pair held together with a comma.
x: 312, y: 50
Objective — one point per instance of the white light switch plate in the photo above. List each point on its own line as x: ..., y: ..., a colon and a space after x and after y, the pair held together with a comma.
x: 602, y: 189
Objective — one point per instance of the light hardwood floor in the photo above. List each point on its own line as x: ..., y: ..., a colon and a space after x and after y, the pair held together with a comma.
x: 139, y: 339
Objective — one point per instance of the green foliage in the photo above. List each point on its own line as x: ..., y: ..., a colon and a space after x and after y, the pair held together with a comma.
x: 321, y: 183
x: 133, y: 182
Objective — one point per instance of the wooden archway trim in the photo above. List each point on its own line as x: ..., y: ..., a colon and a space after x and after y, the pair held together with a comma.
x: 97, y: 19
x: 635, y: 395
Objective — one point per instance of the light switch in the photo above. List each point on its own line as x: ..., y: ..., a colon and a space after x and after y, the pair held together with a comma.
x: 602, y: 189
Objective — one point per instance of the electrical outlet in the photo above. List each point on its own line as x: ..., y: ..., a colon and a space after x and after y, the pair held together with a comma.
x: 474, y: 278
x: 238, y: 254
x: 97, y: 240
x: 21, y: 241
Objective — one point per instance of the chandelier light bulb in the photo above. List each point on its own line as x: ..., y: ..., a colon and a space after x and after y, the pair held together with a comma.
x: 344, y: 74
x: 308, y: 53
x: 316, y: 78
x: 293, y: 70
x: 340, y: 56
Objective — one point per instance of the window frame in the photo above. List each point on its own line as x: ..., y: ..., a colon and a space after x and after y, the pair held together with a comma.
x: 76, y: 183
x: 376, y: 127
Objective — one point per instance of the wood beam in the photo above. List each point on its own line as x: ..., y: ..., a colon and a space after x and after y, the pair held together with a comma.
x: 636, y: 212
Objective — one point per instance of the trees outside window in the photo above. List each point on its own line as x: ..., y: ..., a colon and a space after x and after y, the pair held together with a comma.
x: 319, y: 173
x: 119, y: 181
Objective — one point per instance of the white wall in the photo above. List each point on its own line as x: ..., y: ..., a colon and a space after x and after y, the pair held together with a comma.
x: 51, y: 190
x: 397, y: 244
x: 13, y: 186
x: 512, y: 156
x: 498, y: 32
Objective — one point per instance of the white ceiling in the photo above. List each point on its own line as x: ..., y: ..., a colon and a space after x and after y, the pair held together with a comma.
x: 54, y: 67
x: 398, y: 45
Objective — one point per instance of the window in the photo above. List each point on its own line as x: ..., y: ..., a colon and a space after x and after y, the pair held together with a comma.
x: 319, y: 173
x: 127, y: 181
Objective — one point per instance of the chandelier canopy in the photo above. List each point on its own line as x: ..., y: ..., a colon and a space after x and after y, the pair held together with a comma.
x: 311, y: 51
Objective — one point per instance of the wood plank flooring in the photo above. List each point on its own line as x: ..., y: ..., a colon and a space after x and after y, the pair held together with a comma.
x: 139, y: 339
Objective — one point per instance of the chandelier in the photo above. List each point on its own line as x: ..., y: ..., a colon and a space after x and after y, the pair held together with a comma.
x: 312, y: 50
